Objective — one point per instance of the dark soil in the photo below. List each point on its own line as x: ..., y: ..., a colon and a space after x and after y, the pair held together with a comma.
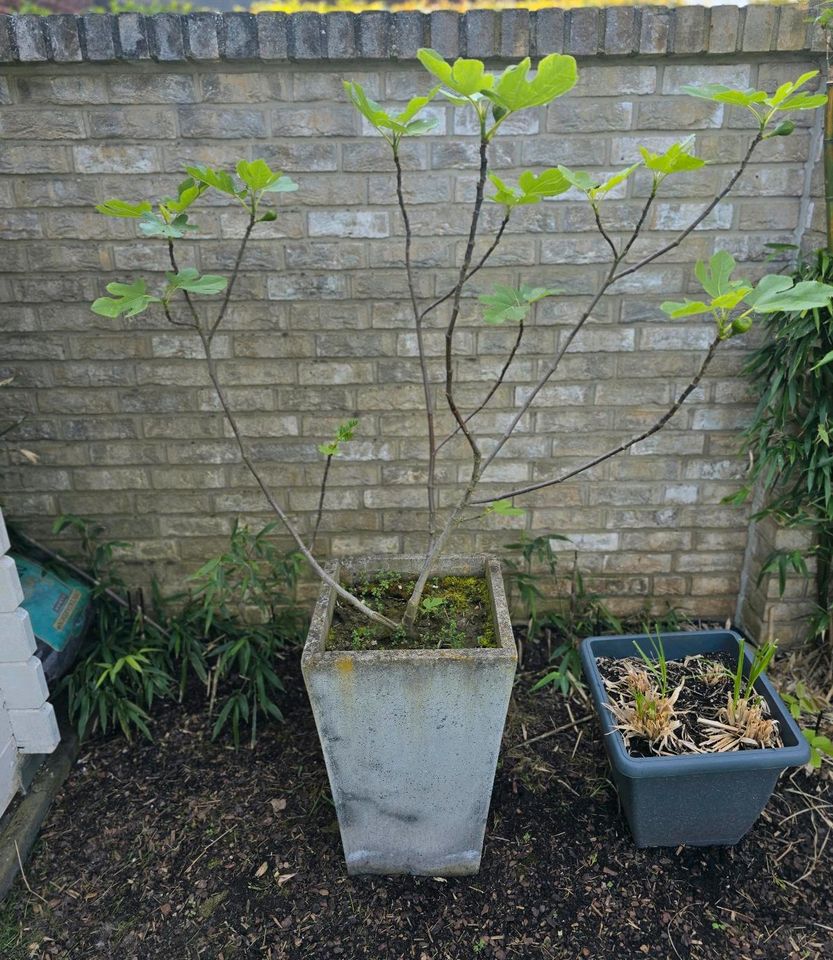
x: 185, y: 849
x: 455, y: 613
x: 702, y: 696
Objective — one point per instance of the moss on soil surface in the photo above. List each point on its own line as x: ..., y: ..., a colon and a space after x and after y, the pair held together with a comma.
x: 455, y: 613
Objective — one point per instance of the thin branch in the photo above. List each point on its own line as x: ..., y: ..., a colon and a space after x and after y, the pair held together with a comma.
x: 696, y: 223
x: 610, y: 279
x: 235, y: 271
x: 423, y: 362
x: 182, y: 323
x: 321, y: 495
x: 493, y: 390
x: 622, y: 446
x: 640, y: 222
x: 372, y: 615
x: 478, y: 266
x: 455, y: 308
x: 604, y: 233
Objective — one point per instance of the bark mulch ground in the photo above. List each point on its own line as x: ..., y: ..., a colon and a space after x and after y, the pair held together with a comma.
x: 184, y: 848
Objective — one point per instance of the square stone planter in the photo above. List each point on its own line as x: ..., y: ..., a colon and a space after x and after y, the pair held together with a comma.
x: 706, y: 799
x: 411, y: 737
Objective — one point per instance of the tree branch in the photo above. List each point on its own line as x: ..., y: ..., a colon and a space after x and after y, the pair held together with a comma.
x: 696, y: 223
x: 235, y: 271
x: 423, y: 363
x: 609, y: 280
x: 493, y: 390
x: 478, y: 266
x: 622, y: 446
x: 455, y: 308
x: 321, y: 495
x: 371, y: 615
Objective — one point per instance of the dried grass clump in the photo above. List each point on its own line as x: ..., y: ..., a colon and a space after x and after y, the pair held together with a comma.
x: 713, y: 673
x: 742, y: 723
x: 648, y: 716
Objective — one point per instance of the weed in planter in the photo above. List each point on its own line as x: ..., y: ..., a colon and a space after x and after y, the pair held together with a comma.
x: 455, y: 613
x: 657, y: 668
x: 710, y: 709
x: 743, y: 721
x: 651, y: 717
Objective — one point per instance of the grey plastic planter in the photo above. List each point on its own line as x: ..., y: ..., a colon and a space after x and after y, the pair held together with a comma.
x: 411, y: 737
x: 700, y: 799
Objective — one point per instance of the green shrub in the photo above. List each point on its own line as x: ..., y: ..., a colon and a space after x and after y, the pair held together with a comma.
x: 229, y: 630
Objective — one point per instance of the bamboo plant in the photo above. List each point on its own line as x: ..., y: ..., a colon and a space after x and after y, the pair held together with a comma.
x: 491, y: 99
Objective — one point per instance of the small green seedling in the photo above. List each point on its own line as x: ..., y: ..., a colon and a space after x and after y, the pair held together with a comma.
x: 432, y: 604
x: 762, y: 659
x: 658, y: 668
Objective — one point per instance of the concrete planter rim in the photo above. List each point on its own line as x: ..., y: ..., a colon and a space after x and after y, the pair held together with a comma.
x: 315, y: 651
x: 794, y: 753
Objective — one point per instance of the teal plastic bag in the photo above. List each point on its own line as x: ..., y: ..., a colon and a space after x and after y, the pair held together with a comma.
x: 57, y: 606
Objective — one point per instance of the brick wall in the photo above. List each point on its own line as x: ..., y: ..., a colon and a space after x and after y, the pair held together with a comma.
x: 120, y: 411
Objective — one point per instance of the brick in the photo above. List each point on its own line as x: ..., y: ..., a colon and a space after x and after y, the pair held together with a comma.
x: 760, y: 24
x: 792, y: 29
x: 480, y: 33
x: 132, y: 32
x: 167, y: 42
x: 7, y: 53
x: 202, y: 36
x: 41, y: 124
x: 62, y: 39
x: 583, y: 32
x: 35, y: 731
x: 115, y: 159
x: 689, y: 29
x: 17, y: 641
x: 306, y: 36
x: 28, y: 38
x: 11, y: 593
x: 239, y: 36
x: 211, y: 122
x: 620, y: 33
x: 374, y: 34
x: 548, y: 29
x: 654, y: 30
x: 272, y: 35
x: 341, y: 35
x: 407, y: 34
x: 723, y: 29
x: 9, y: 781
x: 444, y: 26
x: 515, y: 34
x: 98, y: 37
x: 22, y: 684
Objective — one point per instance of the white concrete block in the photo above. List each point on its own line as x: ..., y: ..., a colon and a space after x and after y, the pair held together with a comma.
x: 11, y: 593
x: 23, y: 685
x: 36, y: 731
x: 17, y: 640
x: 5, y: 724
x: 4, y: 535
x: 8, y: 774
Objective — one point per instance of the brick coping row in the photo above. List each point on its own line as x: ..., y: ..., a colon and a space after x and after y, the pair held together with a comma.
x: 376, y: 35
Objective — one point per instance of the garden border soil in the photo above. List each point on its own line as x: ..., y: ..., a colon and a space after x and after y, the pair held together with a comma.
x: 185, y: 848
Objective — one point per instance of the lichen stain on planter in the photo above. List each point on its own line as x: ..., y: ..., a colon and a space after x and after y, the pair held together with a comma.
x: 411, y: 738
